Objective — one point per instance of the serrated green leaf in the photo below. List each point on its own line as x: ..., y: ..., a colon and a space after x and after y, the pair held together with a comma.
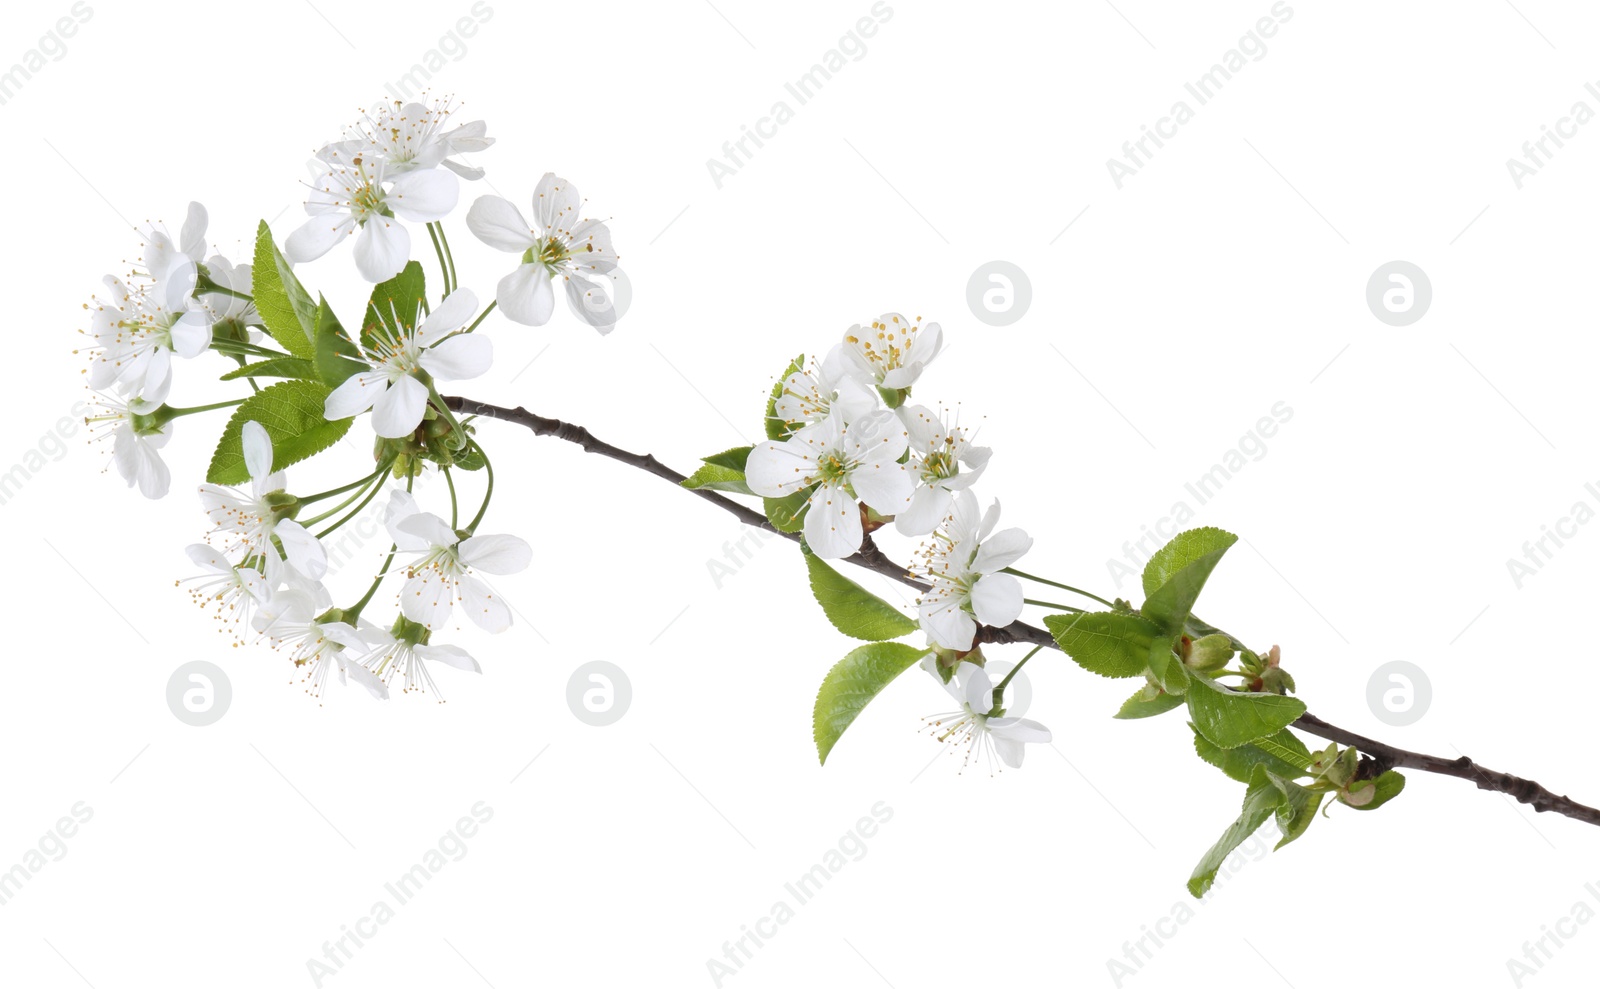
x: 785, y: 513
x: 1177, y: 572
x: 733, y: 459
x: 396, y: 299
x: 285, y: 307
x: 291, y: 412
x: 1388, y: 786
x: 1104, y: 642
x: 1298, y: 810
x: 1148, y: 702
x: 853, y: 609
x: 1231, y: 718
x: 277, y: 367
x: 1261, y: 800
x: 777, y: 430
x: 1286, y: 747
x: 717, y: 479
x: 337, y: 357
x: 852, y: 684
x: 1238, y: 763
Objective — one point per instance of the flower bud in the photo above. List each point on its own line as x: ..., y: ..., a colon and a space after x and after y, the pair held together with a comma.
x: 1209, y: 652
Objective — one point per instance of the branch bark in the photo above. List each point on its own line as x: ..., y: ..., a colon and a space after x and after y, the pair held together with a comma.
x: 1379, y: 755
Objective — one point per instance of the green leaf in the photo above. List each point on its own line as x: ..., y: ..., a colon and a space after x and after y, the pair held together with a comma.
x: 337, y: 357
x: 777, y: 430
x: 398, y: 297
x: 1298, y: 810
x: 1148, y: 702
x: 277, y: 367
x: 1240, y: 762
x: 717, y: 479
x: 784, y: 513
x: 291, y: 412
x: 853, y: 609
x: 852, y: 683
x: 468, y: 459
x: 1388, y: 786
x: 734, y: 459
x: 1166, y: 667
x: 1231, y: 718
x: 721, y: 472
x: 1176, y: 573
x: 1261, y: 799
x: 1104, y: 642
x: 286, y: 309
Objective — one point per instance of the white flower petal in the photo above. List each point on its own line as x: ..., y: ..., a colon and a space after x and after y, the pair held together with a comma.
x: 303, y: 550
x: 450, y: 656
x: 832, y: 525
x: 499, y: 224
x: 997, y: 599
x: 1001, y: 550
x: 483, y: 606
x: 382, y: 249
x: 459, y: 358
x: 398, y: 410
x: 316, y: 237
x: 355, y: 395
x: 257, y: 445
x: 499, y: 554
x: 525, y: 295
x: 423, y: 195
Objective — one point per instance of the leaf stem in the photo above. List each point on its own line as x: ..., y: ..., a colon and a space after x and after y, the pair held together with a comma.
x: 354, y: 511
x: 174, y: 413
x: 481, y: 316
x: 1013, y: 571
x: 1000, y: 688
x: 1052, y: 604
x: 444, y: 269
x: 488, y: 491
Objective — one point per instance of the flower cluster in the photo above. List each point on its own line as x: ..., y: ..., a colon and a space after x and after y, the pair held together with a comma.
x: 851, y: 454
x: 263, y: 568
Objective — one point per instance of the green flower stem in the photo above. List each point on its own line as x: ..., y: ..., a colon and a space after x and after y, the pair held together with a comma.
x: 214, y: 289
x: 451, y: 484
x: 488, y: 491
x: 454, y: 283
x: 354, y: 511
x: 444, y: 269
x: 1065, y: 587
x: 173, y: 413
x: 481, y: 316
x: 1000, y: 688
x: 363, y: 482
x: 335, y: 510
x: 1052, y: 604
x: 353, y: 613
x: 236, y: 347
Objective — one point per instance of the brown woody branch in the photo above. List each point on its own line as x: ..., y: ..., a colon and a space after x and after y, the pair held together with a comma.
x: 1379, y: 756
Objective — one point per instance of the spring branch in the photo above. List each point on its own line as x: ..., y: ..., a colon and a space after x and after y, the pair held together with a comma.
x: 1379, y: 756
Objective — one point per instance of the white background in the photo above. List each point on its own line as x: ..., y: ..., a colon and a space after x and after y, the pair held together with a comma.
x: 1228, y: 275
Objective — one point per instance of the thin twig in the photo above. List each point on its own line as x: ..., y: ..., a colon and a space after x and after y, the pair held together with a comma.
x: 1380, y: 756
